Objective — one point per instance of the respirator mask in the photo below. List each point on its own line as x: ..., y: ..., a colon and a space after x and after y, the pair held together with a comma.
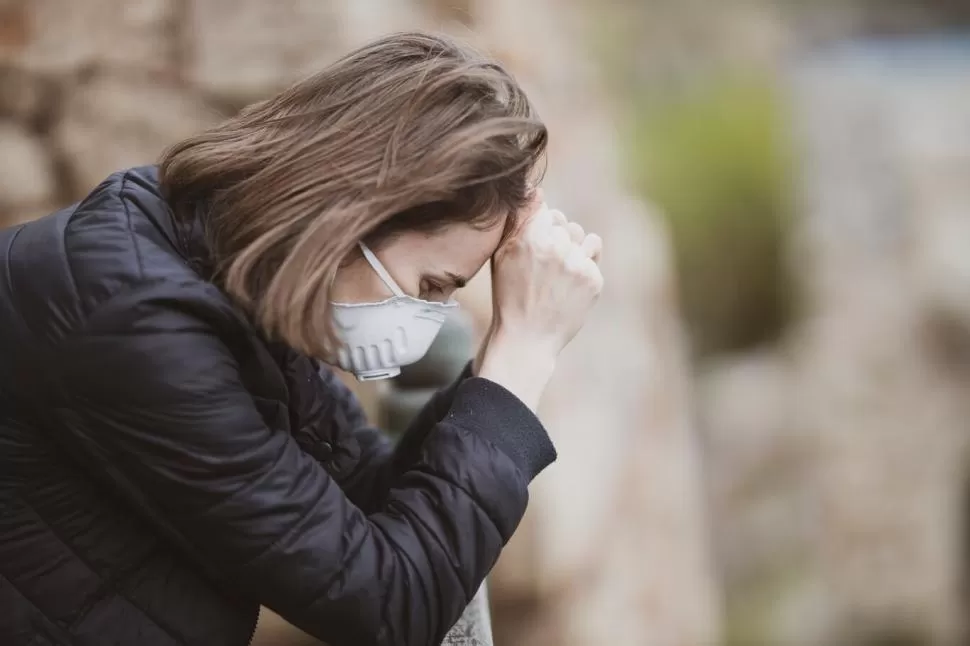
x: 378, y: 338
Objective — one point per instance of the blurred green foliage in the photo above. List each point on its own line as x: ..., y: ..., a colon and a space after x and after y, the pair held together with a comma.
x: 751, y: 608
x: 715, y: 157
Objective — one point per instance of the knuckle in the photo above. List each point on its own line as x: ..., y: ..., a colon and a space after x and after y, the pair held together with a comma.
x: 562, y: 248
x: 575, y: 260
x: 593, y: 274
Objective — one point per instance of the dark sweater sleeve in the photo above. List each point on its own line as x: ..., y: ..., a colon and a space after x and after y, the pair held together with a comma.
x: 151, y: 386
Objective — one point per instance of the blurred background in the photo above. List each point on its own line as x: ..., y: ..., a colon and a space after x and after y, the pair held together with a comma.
x: 764, y: 428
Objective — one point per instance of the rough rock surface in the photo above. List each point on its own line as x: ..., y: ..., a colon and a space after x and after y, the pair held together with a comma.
x: 842, y: 457
x: 615, y: 545
x: 112, y: 122
x: 886, y: 150
x: 27, y: 184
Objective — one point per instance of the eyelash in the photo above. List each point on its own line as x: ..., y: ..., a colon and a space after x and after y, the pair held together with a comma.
x: 433, y: 288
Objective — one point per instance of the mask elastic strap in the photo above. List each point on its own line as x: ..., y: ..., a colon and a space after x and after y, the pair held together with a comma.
x: 380, y: 270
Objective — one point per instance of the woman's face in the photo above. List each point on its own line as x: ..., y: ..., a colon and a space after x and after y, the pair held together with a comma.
x: 426, y: 266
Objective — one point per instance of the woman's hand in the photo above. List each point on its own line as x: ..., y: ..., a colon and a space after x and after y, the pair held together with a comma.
x: 545, y: 278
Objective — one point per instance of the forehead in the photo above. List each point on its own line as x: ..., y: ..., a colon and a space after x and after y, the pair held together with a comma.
x: 457, y: 248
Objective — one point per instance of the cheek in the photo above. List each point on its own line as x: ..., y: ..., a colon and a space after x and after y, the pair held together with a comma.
x: 357, y: 283
x: 404, y: 259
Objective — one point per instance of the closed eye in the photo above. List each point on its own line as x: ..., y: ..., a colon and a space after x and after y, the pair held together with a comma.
x: 434, y: 291
x: 438, y: 289
x: 457, y: 281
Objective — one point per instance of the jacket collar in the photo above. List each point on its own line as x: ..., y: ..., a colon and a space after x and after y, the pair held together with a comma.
x: 193, y: 242
x: 187, y: 235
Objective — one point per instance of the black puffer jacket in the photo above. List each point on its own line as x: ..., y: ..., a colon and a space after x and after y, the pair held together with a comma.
x: 164, y: 470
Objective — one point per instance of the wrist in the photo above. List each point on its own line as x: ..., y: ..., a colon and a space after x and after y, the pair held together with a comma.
x: 523, y: 364
x: 482, y: 348
x: 542, y: 350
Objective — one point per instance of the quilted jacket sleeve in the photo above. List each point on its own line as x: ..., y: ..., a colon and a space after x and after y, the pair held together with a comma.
x: 376, y: 460
x: 151, y: 383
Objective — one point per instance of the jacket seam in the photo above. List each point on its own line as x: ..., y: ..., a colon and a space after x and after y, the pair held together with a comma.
x: 122, y: 192
x: 296, y: 524
x: 125, y: 290
x: 107, y: 581
x: 9, y: 272
x: 387, y: 625
x: 33, y: 604
x: 488, y: 441
x: 524, y: 463
x: 425, y: 470
x: 457, y: 571
x: 67, y: 257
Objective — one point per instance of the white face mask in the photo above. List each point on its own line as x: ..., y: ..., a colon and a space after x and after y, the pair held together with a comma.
x: 379, y: 338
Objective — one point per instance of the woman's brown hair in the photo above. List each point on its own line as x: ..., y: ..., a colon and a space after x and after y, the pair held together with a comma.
x: 412, y: 132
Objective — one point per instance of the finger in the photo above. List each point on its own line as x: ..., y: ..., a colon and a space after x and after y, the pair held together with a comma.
x: 592, y: 246
x: 558, y: 218
x: 575, y: 260
x: 560, y: 239
x: 594, y: 275
x: 576, y: 232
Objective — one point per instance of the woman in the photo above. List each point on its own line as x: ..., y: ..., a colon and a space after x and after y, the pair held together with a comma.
x: 172, y: 452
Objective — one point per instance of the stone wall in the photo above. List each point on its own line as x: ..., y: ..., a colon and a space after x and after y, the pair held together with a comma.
x: 840, y: 459
x: 614, y: 548
x: 887, y: 153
